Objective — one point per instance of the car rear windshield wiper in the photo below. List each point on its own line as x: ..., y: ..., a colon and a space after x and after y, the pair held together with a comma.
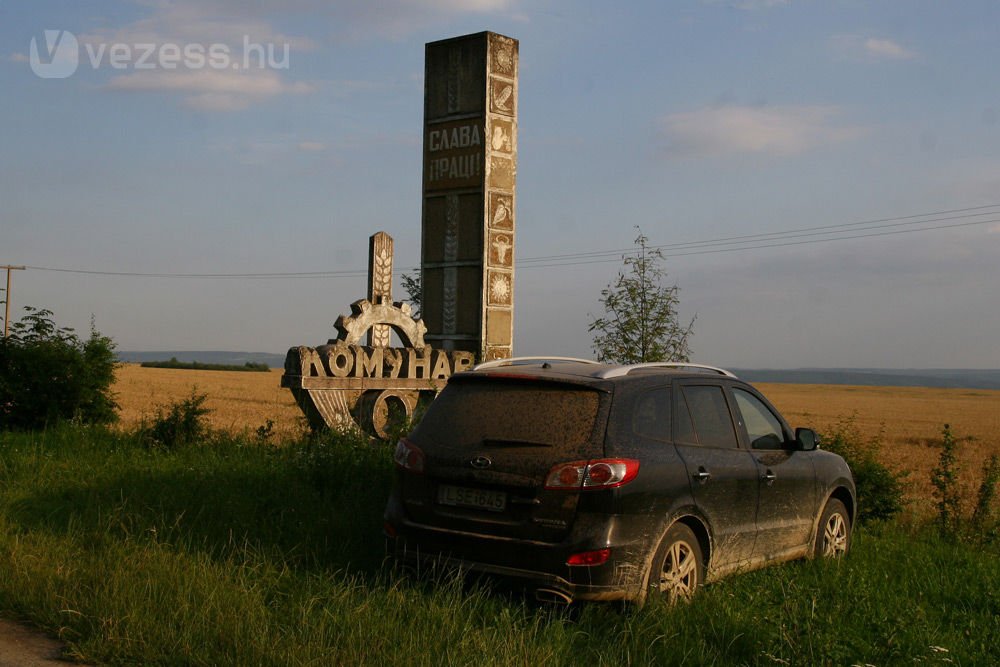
x: 512, y: 442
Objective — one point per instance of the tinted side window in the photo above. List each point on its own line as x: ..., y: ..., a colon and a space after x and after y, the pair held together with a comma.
x: 682, y: 422
x: 710, y: 416
x: 651, y: 416
x: 763, y: 428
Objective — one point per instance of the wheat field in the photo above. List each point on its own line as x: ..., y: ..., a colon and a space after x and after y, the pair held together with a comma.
x: 238, y: 400
x: 911, y: 418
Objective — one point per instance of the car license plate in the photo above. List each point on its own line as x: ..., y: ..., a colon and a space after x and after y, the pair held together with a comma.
x: 481, y: 499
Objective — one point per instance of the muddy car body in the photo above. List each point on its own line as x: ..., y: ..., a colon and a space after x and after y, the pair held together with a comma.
x: 587, y: 481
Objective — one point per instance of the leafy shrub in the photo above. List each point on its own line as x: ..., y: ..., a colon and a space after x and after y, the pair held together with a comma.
x: 48, y: 374
x: 944, y: 478
x: 880, y: 490
x: 328, y: 456
x: 983, y: 523
x: 264, y: 433
x: 183, y: 423
x: 953, y: 523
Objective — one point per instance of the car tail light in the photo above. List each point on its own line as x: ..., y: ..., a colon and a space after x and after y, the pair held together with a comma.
x: 408, y: 456
x: 593, y: 474
x: 586, y: 558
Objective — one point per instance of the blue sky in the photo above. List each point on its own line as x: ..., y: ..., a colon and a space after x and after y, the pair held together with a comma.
x: 693, y: 120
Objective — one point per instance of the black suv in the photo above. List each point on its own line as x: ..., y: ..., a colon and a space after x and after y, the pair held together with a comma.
x: 588, y: 481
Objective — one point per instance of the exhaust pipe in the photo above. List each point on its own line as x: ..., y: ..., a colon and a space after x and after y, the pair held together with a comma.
x: 552, y: 596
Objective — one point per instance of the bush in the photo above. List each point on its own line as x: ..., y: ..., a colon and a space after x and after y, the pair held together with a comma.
x: 48, y: 374
x: 183, y: 423
x: 880, y: 490
x: 173, y: 363
x: 983, y: 523
x: 953, y: 523
x: 944, y: 478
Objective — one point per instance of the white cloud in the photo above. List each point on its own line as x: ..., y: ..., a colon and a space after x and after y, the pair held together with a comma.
x: 886, y: 48
x: 221, y: 102
x: 462, y: 5
x: 256, y: 76
x: 780, y: 130
x: 749, y: 5
x: 235, y: 23
x: 248, y: 82
x: 869, y: 49
x: 277, y: 149
x: 185, y: 21
x: 347, y: 18
x: 211, y: 90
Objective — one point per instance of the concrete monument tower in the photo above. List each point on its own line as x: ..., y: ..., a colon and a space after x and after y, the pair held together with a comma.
x: 470, y: 167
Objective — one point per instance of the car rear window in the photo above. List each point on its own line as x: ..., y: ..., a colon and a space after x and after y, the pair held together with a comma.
x: 471, y: 413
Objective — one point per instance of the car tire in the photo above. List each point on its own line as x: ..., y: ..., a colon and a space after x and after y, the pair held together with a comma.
x: 678, y: 566
x: 833, y: 534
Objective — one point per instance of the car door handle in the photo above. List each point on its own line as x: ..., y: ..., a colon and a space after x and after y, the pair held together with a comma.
x: 702, y: 475
x: 769, y: 477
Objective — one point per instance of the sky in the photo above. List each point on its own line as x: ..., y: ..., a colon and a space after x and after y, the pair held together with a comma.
x: 747, y: 138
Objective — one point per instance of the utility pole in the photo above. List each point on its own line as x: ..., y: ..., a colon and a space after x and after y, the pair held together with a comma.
x: 6, y: 313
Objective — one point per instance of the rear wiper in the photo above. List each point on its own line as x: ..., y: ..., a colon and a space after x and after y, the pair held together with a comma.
x: 508, y: 442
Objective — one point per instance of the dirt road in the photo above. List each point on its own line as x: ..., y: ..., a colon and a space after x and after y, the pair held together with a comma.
x: 23, y: 647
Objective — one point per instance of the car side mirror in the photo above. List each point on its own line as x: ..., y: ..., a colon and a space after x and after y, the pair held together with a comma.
x: 806, y: 439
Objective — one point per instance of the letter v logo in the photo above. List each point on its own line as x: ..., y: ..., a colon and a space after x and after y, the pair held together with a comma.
x: 59, y: 57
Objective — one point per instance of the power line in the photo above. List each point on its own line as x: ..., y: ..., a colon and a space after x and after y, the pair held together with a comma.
x: 778, y: 245
x: 804, y: 231
x: 135, y: 274
x: 810, y: 235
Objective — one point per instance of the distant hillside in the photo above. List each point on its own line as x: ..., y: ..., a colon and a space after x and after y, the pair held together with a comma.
x: 881, y: 377
x: 207, y: 357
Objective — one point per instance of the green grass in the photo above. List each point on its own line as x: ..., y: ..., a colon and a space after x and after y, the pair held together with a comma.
x: 241, y: 553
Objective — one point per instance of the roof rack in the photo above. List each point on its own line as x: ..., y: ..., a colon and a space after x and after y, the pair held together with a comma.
x: 619, y: 371
x: 513, y: 361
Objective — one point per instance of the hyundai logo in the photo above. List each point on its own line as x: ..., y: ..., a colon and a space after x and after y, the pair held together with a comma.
x: 481, y: 462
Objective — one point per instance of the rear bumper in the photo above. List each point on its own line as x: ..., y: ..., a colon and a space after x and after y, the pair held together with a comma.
x: 536, y: 566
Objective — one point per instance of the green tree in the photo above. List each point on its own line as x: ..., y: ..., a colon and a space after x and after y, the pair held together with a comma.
x: 48, y: 374
x: 640, y: 321
x: 412, y: 287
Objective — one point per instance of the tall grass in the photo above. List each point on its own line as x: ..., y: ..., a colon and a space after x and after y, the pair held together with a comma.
x: 241, y: 553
